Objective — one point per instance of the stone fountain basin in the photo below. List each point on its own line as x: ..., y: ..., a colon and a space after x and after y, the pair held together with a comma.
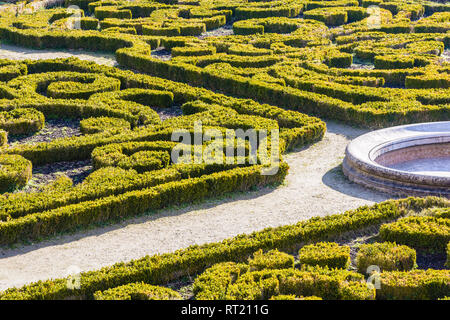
x: 404, y: 160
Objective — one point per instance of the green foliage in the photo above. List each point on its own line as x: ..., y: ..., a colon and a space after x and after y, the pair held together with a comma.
x: 160, y: 269
x: 238, y: 283
x: 137, y: 291
x: 393, y: 62
x: 338, y: 59
x: 3, y: 138
x: 101, y: 124
x: 447, y: 263
x: 86, y: 85
x: 21, y: 121
x: 403, y: 48
x: 325, y: 254
x: 414, y: 285
x: 387, y: 256
x: 272, y: 259
x: 289, y: 65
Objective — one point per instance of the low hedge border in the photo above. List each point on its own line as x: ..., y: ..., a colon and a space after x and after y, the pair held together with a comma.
x: 137, y: 291
x: 414, y: 285
x: 15, y: 172
x: 160, y: 269
x: 429, y: 233
x: 68, y: 218
x: 387, y: 256
x: 325, y: 254
x: 133, y: 51
x: 21, y: 121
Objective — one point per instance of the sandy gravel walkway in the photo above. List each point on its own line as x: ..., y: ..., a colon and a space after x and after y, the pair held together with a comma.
x: 315, y: 186
x: 19, y: 53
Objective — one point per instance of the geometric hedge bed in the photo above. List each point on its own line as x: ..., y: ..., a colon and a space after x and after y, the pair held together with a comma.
x: 237, y: 268
x: 128, y: 144
x: 294, y: 54
x: 260, y: 65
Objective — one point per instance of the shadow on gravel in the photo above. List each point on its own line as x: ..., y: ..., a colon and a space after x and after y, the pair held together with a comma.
x: 336, y: 180
x: 345, y: 130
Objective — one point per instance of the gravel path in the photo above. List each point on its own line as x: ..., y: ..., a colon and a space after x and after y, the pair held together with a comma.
x: 19, y: 53
x: 315, y: 186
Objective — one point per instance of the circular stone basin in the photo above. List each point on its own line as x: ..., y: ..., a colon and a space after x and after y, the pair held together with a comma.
x: 405, y: 160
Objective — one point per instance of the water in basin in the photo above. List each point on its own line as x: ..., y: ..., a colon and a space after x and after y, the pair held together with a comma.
x: 429, y: 166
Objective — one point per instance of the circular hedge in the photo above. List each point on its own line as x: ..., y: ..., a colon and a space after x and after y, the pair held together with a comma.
x: 15, y: 172
x: 83, y: 88
x: 22, y: 121
x: 137, y: 291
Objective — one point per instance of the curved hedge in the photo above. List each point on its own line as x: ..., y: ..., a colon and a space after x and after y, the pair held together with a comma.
x: 129, y: 146
x: 278, y: 61
x: 296, y: 60
x: 160, y: 269
x: 137, y: 291
x: 15, y: 171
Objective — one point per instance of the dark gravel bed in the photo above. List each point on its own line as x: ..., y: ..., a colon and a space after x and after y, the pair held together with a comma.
x: 226, y: 30
x: 43, y: 175
x: 53, y: 129
x: 162, y: 54
x: 167, y: 113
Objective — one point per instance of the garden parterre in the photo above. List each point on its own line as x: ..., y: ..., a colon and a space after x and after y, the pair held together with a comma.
x: 268, y: 264
x: 296, y: 54
x: 283, y: 58
x: 129, y: 145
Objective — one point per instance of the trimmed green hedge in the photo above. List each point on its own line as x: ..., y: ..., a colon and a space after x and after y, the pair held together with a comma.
x: 325, y: 254
x: 236, y: 282
x: 3, y: 138
x: 272, y: 259
x: 137, y: 291
x: 414, y: 285
x: 447, y: 263
x: 47, y: 223
x: 15, y: 172
x: 431, y: 233
x: 387, y: 256
x: 160, y: 269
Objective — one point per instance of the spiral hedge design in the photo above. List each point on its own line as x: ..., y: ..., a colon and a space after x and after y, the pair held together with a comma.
x: 128, y: 144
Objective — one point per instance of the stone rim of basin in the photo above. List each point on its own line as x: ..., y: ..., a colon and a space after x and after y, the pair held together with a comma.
x: 364, y: 161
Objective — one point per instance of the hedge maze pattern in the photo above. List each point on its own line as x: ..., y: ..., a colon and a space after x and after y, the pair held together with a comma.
x: 128, y: 144
x: 269, y: 265
x: 370, y: 63
x: 231, y: 64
